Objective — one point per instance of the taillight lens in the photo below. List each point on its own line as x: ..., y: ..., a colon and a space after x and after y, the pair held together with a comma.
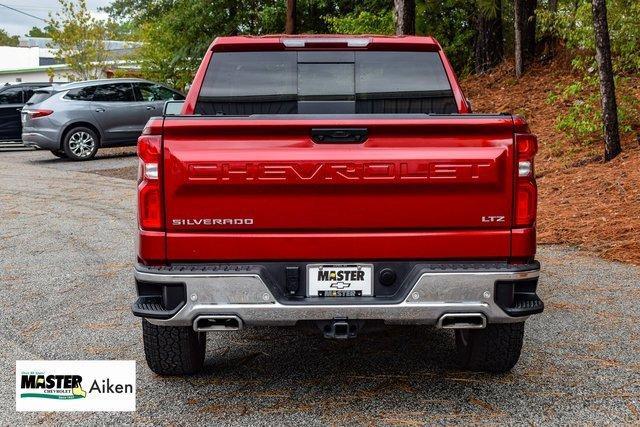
x: 526, y: 199
x: 150, y: 207
x: 34, y: 114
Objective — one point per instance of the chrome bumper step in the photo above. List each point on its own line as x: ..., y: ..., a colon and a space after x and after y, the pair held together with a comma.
x: 436, y: 297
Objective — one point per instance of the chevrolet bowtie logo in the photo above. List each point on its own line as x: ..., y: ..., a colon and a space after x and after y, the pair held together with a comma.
x: 340, y: 285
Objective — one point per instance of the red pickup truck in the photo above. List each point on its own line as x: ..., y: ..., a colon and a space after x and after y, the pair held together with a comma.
x: 337, y: 181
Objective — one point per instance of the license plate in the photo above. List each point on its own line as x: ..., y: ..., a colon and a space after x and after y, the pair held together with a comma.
x: 339, y: 280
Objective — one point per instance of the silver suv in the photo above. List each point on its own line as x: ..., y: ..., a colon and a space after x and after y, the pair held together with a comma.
x: 73, y: 120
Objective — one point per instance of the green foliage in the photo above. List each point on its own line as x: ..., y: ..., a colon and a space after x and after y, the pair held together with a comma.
x: 449, y: 22
x: 583, y: 117
x: 39, y: 32
x: 177, y: 37
x: 7, y: 40
x: 137, y: 11
x: 79, y: 39
x: 573, y: 23
x: 487, y: 8
x: 314, y: 15
x: 362, y: 23
x: 124, y: 31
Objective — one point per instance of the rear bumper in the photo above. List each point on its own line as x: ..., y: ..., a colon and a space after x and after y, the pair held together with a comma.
x: 43, y: 140
x: 432, y: 291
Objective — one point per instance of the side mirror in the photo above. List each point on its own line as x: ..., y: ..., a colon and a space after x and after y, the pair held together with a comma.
x: 172, y: 108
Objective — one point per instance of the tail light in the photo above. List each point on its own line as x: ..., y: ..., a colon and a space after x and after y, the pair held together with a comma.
x: 526, y: 190
x: 34, y: 114
x: 150, y: 201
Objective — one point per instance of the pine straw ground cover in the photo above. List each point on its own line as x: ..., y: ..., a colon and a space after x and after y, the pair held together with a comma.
x: 582, y: 201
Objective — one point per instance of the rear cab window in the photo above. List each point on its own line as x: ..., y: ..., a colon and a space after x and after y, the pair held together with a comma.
x: 325, y: 82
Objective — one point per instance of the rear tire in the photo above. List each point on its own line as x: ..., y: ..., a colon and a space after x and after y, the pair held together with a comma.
x: 495, y: 349
x: 59, y: 153
x: 173, y: 350
x: 80, y: 143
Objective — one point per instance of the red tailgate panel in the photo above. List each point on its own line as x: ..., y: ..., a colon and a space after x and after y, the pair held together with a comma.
x: 262, y: 189
x: 455, y: 245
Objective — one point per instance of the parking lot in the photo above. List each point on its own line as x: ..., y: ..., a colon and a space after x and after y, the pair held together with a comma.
x: 66, y: 256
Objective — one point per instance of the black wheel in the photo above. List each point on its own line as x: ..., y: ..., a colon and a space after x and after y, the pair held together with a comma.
x: 494, y: 349
x: 59, y: 153
x: 173, y: 350
x: 80, y: 143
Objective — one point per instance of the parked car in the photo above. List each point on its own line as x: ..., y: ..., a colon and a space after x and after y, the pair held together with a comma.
x: 12, y: 99
x: 75, y: 119
x: 336, y: 181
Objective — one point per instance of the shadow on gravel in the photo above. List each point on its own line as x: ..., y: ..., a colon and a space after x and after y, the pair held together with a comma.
x: 284, y: 354
x: 392, y: 371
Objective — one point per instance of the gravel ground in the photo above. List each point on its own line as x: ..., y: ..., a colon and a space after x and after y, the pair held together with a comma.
x: 66, y: 253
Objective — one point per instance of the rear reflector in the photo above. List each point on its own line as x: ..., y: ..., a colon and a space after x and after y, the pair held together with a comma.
x: 150, y: 206
x: 526, y: 197
x: 526, y: 200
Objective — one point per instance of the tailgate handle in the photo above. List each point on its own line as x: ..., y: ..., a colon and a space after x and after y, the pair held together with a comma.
x: 339, y: 135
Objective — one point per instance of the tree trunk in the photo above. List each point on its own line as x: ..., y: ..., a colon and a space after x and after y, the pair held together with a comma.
x: 488, y: 45
x: 518, y: 23
x: 290, y: 26
x: 405, y: 11
x: 529, y: 30
x: 233, y: 19
x: 607, y: 85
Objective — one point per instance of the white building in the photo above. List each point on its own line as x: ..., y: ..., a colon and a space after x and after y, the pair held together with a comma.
x: 34, y: 61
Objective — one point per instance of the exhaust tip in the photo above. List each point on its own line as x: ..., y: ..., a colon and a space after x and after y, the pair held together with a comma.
x: 462, y: 321
x: 217, y: 322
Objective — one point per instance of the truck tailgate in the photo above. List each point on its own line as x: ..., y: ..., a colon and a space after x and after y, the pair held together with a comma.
x: 259, y: 188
